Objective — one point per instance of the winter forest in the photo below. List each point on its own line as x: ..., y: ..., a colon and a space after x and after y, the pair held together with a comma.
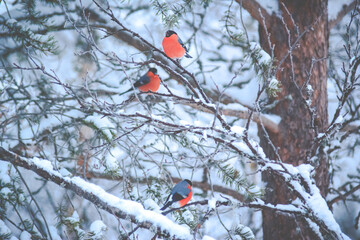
x: 241, y: 122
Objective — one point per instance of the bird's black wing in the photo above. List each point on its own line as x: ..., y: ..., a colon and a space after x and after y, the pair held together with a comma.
x: 142, y: 81
x: 182, y: 43
x: 177, y: 197
x: 167, y: 199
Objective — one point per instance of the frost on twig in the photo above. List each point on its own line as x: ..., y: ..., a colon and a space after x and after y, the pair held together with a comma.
x: 124, y: 209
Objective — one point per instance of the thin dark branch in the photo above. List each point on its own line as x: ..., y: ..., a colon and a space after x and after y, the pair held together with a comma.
x: 202, y: 185
x: 343, y: 196
x: 203, y: 202
x: 254, y: 8
x: 345, y: 10
x: 82, y: 192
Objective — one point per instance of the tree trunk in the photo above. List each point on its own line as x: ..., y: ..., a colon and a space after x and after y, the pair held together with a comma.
x: 296, y: 132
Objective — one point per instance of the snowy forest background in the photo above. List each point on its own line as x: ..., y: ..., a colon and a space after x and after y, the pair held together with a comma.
x: 78, y: 161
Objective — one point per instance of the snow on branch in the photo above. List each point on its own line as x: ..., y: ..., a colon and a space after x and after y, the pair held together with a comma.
x: 204, y: 186
x: 121, y: 208
x: 136, y: 41
x: 247, y: 147
x: 349, y: 84
x: 317, y: 212
x: 269, y: 124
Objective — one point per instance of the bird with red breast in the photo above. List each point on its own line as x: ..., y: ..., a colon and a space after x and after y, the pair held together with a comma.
x: 148, y: 82
x: 173, y: 46
x: 181, y: 194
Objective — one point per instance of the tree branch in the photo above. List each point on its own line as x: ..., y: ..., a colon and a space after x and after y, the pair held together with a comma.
x: 258, y: 118
x: 345, y: 10
x: 202, y: 185
x: 121, y: 208
x: 143, y: 48
x: 254, y: 8
x: 203, y: 202
x: 343, y: 196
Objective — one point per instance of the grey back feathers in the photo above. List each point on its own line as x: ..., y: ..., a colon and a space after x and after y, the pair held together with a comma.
x: 188, y: 181
x: 179, y: 192
x: 181, y: 188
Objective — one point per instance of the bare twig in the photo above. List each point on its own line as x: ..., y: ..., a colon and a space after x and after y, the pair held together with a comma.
x: 343, y: 196
x: 253, y: 7
x: 79, y: 190
x: 342, y: 13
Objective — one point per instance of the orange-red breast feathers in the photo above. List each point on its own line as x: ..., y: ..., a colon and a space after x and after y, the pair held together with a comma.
x: 184, y: 201
x: 148, y: 82
x: 173, y: 46
x: 153, y: 84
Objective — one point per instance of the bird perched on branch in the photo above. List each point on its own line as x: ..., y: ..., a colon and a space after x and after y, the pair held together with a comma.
x: 181, y: 193
x: 173, y: 46
x: 148, y: 82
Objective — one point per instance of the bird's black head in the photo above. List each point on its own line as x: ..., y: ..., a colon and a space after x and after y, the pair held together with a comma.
x: 153, y: 70
x: 170, y: 32
x: 188, y: 181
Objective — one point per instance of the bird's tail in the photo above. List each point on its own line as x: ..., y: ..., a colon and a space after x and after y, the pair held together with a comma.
x: 166, y: 205
x: 126, y: 91
x: 187, y: 55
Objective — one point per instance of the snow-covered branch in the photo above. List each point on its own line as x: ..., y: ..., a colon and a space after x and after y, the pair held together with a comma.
x: 309, y: 199
x: 121, y: 208
x: 235, y: 111
x: 196, y: 184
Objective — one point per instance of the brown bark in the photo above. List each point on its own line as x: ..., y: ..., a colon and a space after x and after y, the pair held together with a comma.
x: 296, y: 133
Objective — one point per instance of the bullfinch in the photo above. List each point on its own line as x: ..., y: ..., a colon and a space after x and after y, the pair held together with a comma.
x: 181, y: 193
x: 173, y: 46
x: 149, y: 82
